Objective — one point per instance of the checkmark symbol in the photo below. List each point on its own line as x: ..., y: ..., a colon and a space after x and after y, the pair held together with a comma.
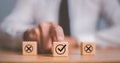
x: 62, y: 48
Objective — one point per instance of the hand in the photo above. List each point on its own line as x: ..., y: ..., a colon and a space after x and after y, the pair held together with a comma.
x: 45, y: 34
x: 72, y: 42
x: 32, y: 34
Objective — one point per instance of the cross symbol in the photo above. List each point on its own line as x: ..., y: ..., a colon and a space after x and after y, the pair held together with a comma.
x: 28, y: 48
x: 88, y: 48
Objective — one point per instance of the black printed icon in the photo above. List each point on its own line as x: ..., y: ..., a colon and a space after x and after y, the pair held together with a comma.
x: 88, y: 48
x: 28, y: 48
x: 60, y: 49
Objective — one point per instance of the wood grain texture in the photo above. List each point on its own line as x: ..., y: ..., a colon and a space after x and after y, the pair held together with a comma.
x: 88, y: 48
x: 60, y: 48
x: 29, y: 48
x: 102, y: 56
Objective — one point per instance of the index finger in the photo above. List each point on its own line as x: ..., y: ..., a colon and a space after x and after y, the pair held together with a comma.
x: 57, y: 32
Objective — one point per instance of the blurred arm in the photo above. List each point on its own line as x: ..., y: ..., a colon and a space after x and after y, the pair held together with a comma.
x: 111, y: 12
x: 83, y: 18
x: 16, y: 23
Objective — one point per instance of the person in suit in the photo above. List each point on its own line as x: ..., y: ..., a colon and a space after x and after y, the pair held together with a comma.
x: 38, y: 20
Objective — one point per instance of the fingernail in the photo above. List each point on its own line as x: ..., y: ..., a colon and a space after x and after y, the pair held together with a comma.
x: 60, y: 38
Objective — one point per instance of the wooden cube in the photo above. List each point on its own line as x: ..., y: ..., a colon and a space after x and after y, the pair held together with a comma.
x: 60, y: 48
x: 88, y: 48
x: 29, y: 48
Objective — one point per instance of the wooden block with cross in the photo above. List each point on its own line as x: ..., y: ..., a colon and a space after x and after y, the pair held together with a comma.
x: 29, y: 48
x: 60, y: 48
x: 88, y: 48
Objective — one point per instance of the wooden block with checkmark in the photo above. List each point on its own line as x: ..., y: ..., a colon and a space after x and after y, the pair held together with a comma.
x: 60, y: 48
x: 29, y: 48
x: 88, y: 48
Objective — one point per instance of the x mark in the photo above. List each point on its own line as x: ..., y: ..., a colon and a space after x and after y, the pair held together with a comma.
x: 28, y: 48
x: 88, y: 48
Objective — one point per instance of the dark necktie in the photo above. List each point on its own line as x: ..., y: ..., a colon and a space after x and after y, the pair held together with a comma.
x: 119, y: 2
x: 63, y: 17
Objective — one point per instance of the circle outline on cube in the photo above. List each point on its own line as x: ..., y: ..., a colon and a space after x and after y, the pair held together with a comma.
x: 56, y: 48
x: 29, y: 48
x: 88, y: 48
